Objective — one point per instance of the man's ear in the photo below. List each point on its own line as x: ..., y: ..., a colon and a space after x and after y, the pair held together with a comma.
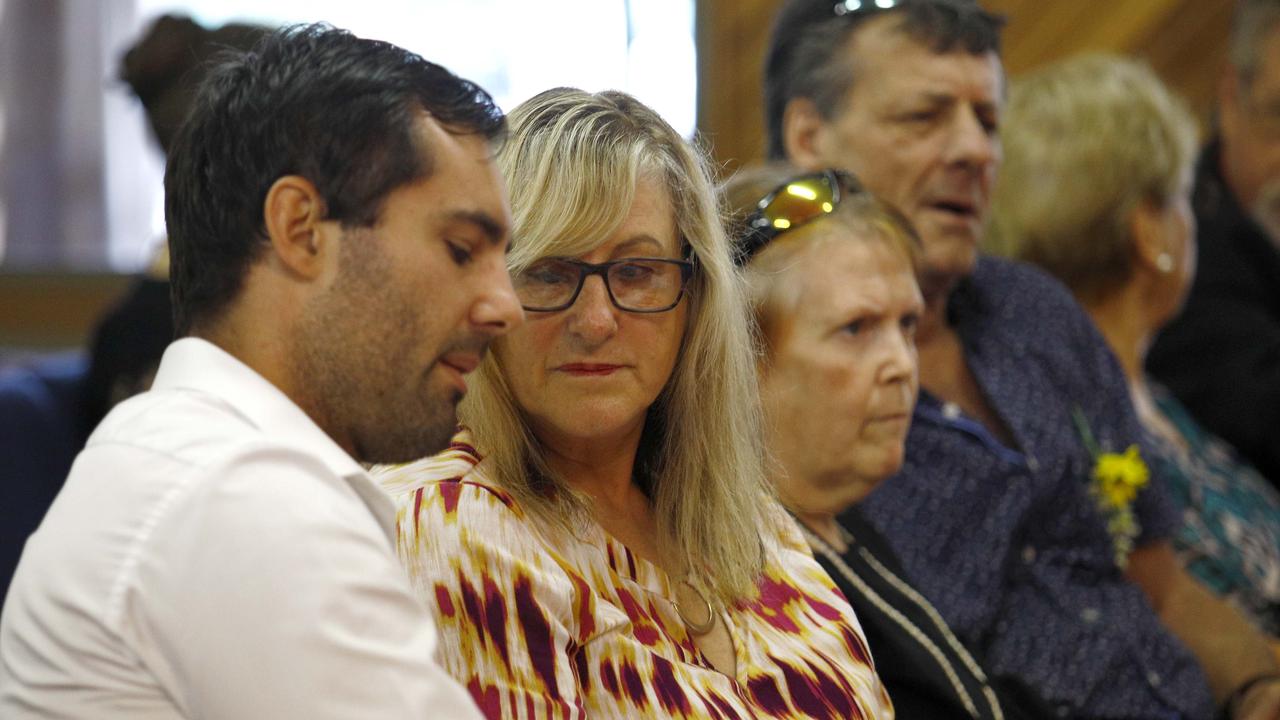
x: 802, y: 130
x: 293, y: 214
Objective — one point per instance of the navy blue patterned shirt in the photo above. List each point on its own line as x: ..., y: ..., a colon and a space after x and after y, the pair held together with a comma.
x: 1007, y: 542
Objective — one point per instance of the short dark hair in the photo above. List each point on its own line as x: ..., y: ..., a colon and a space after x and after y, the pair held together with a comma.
x: 803, y: 58
x: 309, y: 100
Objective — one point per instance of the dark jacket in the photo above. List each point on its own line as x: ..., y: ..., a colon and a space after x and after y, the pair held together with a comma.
x: 917, y: 657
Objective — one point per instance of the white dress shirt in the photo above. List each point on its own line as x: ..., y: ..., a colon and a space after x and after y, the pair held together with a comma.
x: 214, y: 554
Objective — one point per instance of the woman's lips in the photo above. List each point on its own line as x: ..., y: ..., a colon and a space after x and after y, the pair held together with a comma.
x: 588, y: 369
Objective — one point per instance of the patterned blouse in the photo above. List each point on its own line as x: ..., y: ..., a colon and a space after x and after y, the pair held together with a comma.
x: 583, y: 627
x: 1230, y: 534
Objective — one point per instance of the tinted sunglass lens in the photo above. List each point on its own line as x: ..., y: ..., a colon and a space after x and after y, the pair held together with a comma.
x: 801, y: 201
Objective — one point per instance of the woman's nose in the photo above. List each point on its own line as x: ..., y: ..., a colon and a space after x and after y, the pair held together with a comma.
x: 593, y: 315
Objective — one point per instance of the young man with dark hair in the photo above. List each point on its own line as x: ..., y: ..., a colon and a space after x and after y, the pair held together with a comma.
x: 337, y: 232
x: 997, y: 514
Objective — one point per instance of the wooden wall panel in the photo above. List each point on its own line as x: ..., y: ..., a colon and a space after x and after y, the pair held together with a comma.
x: 731, y: 37
x: 1184, y: 40
x: 47, y: 311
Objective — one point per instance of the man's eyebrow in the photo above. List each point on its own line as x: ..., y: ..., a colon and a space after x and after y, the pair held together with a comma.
x: 493, y: 229
x: 938, y: 98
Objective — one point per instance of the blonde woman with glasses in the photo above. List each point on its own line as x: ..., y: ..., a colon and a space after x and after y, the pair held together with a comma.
x: 602, y: 541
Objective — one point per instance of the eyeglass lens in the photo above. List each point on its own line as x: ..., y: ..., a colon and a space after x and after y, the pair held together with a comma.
x: 634, y: 284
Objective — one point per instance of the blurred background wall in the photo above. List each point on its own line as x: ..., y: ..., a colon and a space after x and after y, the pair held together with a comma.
x: 73, y: 142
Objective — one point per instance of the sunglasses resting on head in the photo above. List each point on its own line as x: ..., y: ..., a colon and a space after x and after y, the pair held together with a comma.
x: 799, y: 200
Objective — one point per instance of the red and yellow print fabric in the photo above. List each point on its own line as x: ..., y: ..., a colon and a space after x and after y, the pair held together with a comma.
x: 537, y: 626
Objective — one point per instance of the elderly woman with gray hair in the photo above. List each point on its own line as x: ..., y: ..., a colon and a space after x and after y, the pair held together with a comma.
x: 602, y: 540
x: 831, y: 273
x: 1096, y: 190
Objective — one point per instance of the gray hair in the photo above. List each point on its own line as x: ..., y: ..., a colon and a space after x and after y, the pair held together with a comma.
x: 1251, y: 23
x: 771, y: 288
x: 1066, y: 206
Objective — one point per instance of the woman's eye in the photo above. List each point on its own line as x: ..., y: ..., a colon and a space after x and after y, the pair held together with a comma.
x: 856, y: 326
x: 632, y: 271
x: 547, y: 277
x: 549, y: 274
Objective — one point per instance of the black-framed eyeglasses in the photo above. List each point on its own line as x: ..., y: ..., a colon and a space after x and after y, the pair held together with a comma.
x: 797, y: 201
x: 639, y: 284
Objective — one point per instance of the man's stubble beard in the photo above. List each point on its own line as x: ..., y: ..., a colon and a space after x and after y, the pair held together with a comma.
x: 354, y: 352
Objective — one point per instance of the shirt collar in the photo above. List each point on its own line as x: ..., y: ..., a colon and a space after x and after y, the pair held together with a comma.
x: 196, y: 364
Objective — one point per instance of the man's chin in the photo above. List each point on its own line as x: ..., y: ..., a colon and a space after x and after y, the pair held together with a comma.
x: 408, y: 441
x: 953, y: 255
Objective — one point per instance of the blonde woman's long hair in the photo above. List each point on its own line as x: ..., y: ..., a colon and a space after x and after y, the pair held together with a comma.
x: 572, y: 162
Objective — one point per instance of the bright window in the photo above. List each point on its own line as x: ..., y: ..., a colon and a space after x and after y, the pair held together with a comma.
x: 513, y: 49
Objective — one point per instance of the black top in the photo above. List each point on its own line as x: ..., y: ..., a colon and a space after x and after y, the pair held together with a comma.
x: 925, y: 668
x: 1221, y: 357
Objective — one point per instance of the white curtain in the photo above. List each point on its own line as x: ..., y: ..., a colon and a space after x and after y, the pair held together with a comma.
x: 62, y: 112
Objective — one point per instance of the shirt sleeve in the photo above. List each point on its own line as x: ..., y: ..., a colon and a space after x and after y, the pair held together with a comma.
x: 510, y: 611
x: 271, y: 591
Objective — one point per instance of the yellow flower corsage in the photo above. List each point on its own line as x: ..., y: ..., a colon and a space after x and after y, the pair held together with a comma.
x: 1119, y: 477
x: 1116, y: 480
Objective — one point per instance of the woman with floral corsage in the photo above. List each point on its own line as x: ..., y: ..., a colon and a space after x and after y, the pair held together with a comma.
x: 602, y: 541
x: 1108, y: 212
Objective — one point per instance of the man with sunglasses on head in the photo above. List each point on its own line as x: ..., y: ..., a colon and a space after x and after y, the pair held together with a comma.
x: 338, y: 234
x: 1000, y: 514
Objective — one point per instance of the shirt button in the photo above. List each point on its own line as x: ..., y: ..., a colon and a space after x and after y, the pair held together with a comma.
x: 950, y: 410
x: 1029, y: 554
x: 1033, y: 463
x: 1153, y: 677
x: 1063, y: 710
x: 1090, y: 615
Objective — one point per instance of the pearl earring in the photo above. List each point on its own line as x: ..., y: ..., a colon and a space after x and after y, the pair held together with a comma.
x: 1164, y: 263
